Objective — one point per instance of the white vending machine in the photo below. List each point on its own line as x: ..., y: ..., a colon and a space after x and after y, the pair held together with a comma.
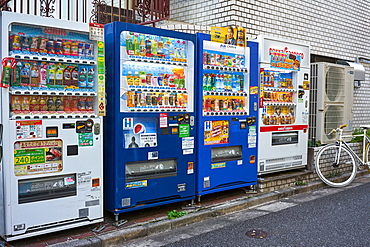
x: 51, y: 167
x: 283, y: 105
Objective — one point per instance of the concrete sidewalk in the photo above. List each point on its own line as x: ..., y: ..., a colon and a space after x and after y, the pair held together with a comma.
x: 194, y: 215
x: 150, y: 221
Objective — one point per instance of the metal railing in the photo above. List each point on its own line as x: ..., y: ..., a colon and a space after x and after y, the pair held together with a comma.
x: 142, y: 12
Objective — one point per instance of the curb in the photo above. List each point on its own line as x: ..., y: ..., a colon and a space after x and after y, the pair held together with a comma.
x: 149, y: 228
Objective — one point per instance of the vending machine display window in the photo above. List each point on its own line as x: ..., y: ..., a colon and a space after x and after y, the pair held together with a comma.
x: 154, y: 73
x: 151, y: 169
x: 227, y: 153
x: 278, y: 96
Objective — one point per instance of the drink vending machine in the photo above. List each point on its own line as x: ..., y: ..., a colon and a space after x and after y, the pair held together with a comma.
x: 227, y: 126
x: 150, y: 128
x: 51, y: 170
x: 283, y: 112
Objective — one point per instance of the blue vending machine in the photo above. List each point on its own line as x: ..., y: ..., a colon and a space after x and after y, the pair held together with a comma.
x: 226, y: 115
x: 150, y: 126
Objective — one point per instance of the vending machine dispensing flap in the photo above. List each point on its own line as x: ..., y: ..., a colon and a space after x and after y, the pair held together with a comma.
x: 227, y: 153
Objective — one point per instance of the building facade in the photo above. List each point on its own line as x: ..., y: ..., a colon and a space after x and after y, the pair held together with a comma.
x: 335, y: 29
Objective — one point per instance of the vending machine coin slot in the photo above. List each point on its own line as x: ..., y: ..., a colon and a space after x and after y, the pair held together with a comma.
x: 69, y: 126
x: 72, y: 150
x: 84, y: 126
x: 251, y: 120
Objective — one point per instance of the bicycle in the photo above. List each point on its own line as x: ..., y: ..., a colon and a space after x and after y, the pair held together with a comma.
x: 336, y: 163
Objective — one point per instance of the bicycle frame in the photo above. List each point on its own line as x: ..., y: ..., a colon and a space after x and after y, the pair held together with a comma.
x: 341, y: 142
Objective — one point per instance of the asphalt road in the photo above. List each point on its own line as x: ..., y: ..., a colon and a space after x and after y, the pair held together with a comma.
x: 327, y: 217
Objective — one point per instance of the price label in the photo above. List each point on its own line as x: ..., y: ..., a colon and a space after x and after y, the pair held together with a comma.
x: 29, y: 156
x: 22, y: 160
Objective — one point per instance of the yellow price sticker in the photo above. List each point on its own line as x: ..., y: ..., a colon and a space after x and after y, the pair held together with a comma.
x: 21, y: 160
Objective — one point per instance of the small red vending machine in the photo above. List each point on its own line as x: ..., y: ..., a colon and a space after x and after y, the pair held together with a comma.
x: 283, y: 107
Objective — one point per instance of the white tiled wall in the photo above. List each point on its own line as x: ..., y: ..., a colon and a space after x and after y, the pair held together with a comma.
x: 334, y: 28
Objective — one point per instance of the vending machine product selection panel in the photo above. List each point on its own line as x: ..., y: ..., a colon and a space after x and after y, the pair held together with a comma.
x: 283, y: 114
x: 53, y: 151
x: 150, y: 120
x: 227, y: 116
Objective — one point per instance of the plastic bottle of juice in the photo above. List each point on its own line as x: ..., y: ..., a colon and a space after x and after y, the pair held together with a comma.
x: 136, y: 45
x: 67, y: 76
x: 90, y: 78
x: 148, y: 46
x: 142, y: 46
x: 59, y: 75
x: 17, y: 78
x: 82, y: 76
x: 205, y: 80
x: 25, y: 74
x: 154, y: 46
x: 43, y: 74
x: 51, y: 74
x: 129, y: 44
x: 74, y: 76
x: 182, y: 78
x: 34, y: 73
x: 7, y: 74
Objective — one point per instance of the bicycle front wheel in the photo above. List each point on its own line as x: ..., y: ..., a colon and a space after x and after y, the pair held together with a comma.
x: 334, y: 168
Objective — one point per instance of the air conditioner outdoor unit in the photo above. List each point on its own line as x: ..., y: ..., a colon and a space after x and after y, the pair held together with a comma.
x: 331, y: 100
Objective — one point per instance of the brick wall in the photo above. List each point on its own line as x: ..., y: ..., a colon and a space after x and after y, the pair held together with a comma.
x: 334, y: 28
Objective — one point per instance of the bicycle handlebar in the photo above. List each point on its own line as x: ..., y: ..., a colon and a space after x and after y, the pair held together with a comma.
x: 339, y: 128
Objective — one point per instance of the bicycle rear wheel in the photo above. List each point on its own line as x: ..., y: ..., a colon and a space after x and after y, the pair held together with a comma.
x: 332, y: 172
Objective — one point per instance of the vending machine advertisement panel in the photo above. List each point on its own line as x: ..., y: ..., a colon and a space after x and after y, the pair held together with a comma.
x: 283, y: 106
x: 150, y: 126
x: 51, y: 170
x: 226, y: 116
